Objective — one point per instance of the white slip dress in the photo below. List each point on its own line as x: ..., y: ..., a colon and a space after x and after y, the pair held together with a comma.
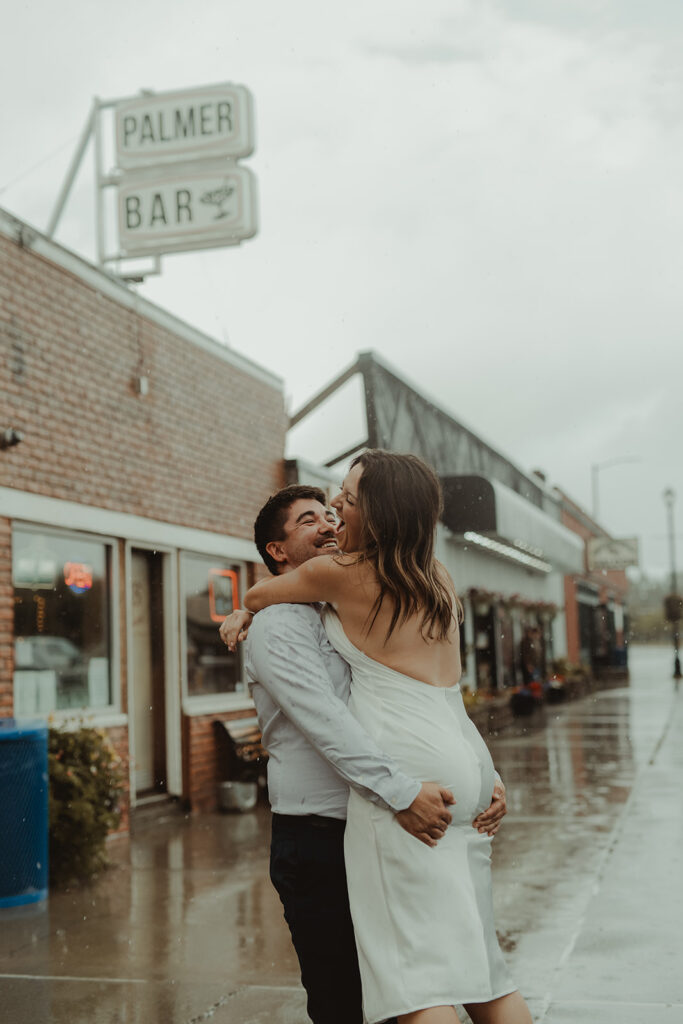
x: 423, y: 916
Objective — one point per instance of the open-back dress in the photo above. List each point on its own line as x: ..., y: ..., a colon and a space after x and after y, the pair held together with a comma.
x: 423, y: 916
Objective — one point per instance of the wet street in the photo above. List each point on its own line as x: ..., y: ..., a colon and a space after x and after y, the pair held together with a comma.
x: 588, y: 876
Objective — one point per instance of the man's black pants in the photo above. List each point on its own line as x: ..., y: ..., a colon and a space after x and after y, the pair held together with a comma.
x: 307, y: 869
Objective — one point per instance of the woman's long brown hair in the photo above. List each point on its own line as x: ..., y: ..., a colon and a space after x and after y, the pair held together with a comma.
x: 400, y: 501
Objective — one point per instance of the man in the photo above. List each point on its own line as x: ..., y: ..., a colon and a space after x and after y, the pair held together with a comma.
x: 300, y: 686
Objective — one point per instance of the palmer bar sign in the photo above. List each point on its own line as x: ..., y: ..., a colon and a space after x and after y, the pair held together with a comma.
x: 190, y: 207
x: 156, y: 128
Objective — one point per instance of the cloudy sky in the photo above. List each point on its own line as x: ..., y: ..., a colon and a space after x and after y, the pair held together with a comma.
x: 487, y: 193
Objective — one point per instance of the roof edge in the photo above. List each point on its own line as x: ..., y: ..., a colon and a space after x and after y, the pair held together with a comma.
x: 28, y: 237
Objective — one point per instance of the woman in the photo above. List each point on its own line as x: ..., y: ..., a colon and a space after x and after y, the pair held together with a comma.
x: 423, y: 917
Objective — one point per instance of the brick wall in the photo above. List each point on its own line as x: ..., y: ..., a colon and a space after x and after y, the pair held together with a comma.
x: 203, y: 763
x: 203, y: 448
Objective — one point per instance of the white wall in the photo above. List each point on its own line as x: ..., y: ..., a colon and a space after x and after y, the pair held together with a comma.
x: 474, y: 567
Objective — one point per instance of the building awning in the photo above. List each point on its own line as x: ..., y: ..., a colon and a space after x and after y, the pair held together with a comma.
x: 487, y: 513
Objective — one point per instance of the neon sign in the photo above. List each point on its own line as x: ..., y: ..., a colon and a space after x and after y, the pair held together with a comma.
x: 223, y: 593
x: 78, y: 577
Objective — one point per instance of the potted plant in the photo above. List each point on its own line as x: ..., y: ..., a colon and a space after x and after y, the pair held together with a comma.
x: 86, y: 785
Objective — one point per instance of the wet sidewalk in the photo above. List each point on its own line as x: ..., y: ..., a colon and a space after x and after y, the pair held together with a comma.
x: 587, y: 873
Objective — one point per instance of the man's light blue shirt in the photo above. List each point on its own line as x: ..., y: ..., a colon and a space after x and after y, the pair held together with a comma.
x: 317, y: 749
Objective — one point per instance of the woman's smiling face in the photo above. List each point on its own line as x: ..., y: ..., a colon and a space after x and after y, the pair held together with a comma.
x: 346, y: 507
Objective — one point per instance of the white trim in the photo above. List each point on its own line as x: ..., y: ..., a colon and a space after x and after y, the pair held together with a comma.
x: 211, y: 702
x: 90, y: 718
x: 107, y: 284
x: 174, y: 757
x: 74, y: 516
x: 115, y: 629
x: 169, y: 595
x: 114, y: 708
x: 128, y: 604
x: 193, y: 707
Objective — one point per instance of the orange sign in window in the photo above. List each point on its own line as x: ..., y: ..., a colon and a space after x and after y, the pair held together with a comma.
x: 78, y: 576
x: 223, y: 593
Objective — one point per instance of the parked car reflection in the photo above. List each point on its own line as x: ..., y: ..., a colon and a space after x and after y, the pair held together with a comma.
x: 51, y: 662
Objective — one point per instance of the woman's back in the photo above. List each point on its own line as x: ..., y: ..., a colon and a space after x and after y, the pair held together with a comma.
x: 436, y: 662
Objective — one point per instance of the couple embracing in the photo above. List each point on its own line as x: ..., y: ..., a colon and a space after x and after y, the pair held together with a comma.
x: 379, y: 618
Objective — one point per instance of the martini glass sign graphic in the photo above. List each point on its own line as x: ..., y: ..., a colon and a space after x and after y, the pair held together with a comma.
x: 217, y: 197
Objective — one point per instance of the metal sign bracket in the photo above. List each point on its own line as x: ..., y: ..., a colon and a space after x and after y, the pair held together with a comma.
x: 92, y: 131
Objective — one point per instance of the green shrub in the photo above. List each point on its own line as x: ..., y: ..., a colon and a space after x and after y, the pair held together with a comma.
x: 86, y: 786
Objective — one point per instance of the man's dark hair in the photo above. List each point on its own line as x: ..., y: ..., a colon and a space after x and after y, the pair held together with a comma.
x: 270, y: 522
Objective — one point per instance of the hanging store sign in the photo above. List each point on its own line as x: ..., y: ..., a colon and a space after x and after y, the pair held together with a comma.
x: 182, y: 209
x: 194, y: 124
x: 175, y: 169
x: 612, y: 553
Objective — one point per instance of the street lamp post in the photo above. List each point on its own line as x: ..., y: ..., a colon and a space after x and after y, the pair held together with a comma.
x: 595, y: 469
x: 669, y: 501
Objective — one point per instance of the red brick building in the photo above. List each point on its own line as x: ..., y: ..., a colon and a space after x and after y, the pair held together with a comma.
x: 595, y: 601
x: 126, y: 512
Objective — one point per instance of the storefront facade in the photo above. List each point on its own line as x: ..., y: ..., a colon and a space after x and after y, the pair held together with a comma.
x: 596, y: 601
x: 501, y: 537
x: 509, y: 558
x: 142, y: 450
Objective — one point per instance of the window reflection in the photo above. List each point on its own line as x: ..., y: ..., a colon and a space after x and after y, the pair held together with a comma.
x: 61, y: 622
x: 210, y: 592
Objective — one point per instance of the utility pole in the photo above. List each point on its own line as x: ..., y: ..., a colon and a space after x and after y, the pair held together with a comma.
x: 673, y: 602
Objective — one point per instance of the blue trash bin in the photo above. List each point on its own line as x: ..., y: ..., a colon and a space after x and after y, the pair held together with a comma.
x: 23, y: 812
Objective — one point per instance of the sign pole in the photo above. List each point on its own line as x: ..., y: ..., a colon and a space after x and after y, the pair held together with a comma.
x: 72, y: 171
x: 99, y: 190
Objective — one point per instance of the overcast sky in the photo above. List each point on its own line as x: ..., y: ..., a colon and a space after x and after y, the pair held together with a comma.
x: 489, y: 194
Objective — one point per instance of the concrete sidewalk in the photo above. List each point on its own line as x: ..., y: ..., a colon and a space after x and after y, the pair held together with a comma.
x: 624, y: 961
x: 588, y: 887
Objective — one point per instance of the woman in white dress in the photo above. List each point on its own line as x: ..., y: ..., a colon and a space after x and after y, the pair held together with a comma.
x: 422, y: 916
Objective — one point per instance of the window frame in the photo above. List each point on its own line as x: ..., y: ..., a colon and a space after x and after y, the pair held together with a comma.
x: 194, y: 705
x: 111, y: 714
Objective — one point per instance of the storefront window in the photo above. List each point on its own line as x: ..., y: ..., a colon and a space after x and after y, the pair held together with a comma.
x: 62, y: 656
x: 210, y: 592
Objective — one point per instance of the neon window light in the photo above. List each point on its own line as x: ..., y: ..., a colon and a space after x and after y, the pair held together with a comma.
x: 223, y: 593
x: 78, y: 577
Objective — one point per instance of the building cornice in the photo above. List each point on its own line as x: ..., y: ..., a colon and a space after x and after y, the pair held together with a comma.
x: 108, y: 284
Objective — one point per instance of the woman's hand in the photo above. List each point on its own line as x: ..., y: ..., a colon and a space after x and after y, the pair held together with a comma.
x: 235, y: 627
x: 489, y: 820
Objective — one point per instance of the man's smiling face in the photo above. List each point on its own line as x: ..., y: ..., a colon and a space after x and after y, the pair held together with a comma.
x: 310, y: 530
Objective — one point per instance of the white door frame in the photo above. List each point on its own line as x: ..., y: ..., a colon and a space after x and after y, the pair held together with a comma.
x: 169, y: 576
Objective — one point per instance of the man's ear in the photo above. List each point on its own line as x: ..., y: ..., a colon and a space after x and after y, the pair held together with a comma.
x: 274, y: 549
